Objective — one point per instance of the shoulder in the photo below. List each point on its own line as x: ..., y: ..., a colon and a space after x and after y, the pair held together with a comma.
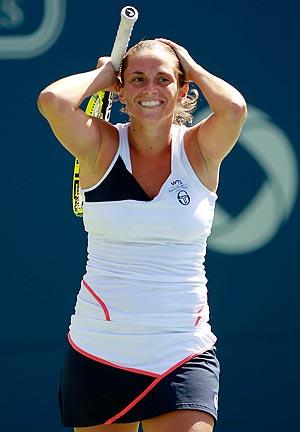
x: 95, y: 165
x: 208, y: 175
x: 110, y: 134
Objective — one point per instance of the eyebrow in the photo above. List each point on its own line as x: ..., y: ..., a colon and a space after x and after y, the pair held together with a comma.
x: 143, y: 73
x: 137, y: 73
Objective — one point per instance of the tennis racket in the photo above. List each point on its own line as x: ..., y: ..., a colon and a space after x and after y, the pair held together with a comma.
x: 100, y: 104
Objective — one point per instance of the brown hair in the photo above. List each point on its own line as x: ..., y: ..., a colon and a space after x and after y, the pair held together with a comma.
x: 185, y: 107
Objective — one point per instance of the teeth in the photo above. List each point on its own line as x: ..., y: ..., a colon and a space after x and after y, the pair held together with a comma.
x: 150, y: 103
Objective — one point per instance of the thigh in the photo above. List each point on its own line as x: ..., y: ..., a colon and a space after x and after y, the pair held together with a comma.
x: 180, y: 421
x: 125, y: 427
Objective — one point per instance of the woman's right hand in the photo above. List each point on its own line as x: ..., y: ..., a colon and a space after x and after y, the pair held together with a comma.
x: 109, y: 74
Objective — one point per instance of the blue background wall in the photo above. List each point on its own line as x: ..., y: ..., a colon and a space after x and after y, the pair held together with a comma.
x: 253, y: 279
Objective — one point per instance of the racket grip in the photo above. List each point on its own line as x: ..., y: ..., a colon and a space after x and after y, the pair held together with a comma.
x: 129, y: 15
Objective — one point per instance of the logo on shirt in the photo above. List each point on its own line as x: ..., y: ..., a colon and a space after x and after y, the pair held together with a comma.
x: 183, y: 197
x: 176, y: 185
x: 179, y: 190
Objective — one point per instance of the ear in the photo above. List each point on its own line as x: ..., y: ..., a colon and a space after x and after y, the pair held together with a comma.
x: 121, y: 92
x: 183, y: 91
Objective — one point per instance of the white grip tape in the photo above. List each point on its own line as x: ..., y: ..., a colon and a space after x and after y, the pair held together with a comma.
x: 129, y: 15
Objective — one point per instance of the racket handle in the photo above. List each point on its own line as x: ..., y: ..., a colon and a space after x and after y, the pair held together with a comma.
x: 129, y: 15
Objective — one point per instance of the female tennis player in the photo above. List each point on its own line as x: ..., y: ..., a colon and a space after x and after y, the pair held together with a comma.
x: 141, y: 348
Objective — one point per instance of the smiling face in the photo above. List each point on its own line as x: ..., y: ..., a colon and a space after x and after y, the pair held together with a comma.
x: 151, y: 87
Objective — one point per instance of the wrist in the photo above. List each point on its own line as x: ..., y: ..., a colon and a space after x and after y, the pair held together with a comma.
x: 196, y: 73
x: 105, y: 77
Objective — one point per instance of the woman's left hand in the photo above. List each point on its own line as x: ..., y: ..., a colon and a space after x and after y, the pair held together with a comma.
x: 188, y: 63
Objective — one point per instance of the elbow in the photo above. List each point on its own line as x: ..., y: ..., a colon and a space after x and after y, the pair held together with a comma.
x: 237, y: 111
x: 46, y: 102
x: 50, y: 104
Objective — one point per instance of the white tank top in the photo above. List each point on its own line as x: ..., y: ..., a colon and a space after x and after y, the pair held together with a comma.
x: 142, y: 305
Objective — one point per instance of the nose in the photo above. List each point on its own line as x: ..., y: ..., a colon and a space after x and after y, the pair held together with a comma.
x: 150, y: 87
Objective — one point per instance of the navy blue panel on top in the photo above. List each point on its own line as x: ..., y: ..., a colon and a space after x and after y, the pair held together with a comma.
x: 119, y: 185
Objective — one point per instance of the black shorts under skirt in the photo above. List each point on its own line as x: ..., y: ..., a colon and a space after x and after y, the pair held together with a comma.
x: 93, y: 393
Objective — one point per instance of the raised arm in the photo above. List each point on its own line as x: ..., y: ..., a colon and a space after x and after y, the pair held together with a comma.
x: 60, y: 105
x: 217, y: 134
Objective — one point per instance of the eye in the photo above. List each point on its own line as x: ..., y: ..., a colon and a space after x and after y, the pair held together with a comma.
x: 163, y: 79
x: 137, y: 79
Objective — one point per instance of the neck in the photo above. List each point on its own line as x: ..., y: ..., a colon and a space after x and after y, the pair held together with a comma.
x: 149, y: 140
